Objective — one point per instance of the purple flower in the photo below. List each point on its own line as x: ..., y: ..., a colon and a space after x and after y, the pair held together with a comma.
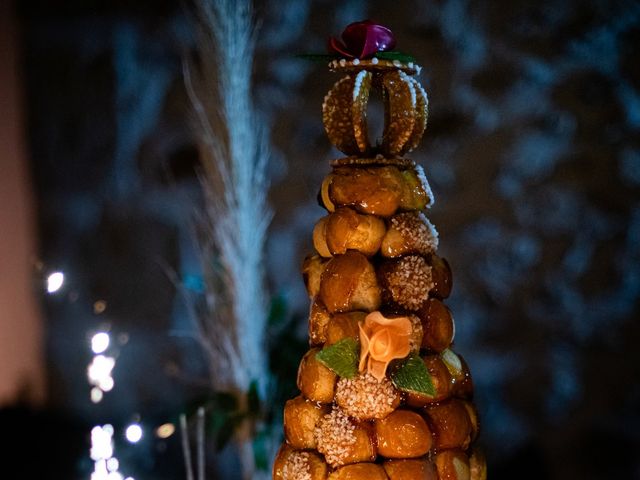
x: 362, y: 40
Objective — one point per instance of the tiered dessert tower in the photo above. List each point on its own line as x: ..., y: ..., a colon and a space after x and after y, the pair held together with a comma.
x: 382, y: 393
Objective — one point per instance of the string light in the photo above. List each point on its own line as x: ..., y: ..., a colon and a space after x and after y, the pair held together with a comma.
x: 96, y: 395
x: 101, y: 443
x: 113, y: 464
x: 106, y: 465
x: 165, y: 430
x: 134, y: 433
x: 99, y: 372
x: 99, y: 307
x: 100, y: 342
x: 55, y: 281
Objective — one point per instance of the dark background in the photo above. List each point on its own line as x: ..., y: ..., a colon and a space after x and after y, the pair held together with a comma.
x: 532, y: 150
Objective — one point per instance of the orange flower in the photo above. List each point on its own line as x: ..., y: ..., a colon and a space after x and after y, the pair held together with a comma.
x: 382, y: 340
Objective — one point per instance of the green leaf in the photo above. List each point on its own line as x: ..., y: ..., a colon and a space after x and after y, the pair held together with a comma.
x: 224, y: 401
x: 341, y: 357
x: 317, y: 57
x: 253, y: 398
x: 278, y: 311
x: 413, y: 376
x: 225, y: 427
x: 261, y: 450
x: 401, y: 57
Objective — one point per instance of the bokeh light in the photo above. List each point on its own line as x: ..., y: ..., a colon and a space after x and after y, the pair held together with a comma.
x: 100, y: 342
x: 134, y: 433
x: 55, y: 281
x: 165, y: 430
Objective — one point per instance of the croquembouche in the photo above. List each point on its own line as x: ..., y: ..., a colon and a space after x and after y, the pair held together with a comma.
x: 383, y: 395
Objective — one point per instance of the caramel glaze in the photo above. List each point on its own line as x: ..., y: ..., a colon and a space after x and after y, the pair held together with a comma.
x: 426, y: 437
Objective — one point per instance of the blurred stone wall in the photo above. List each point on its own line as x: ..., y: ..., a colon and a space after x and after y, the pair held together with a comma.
x: 532, y: 150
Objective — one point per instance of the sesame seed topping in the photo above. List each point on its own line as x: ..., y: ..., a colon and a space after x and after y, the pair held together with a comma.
x: 334, y: 436
x: 297, y: 467
x: 425, y: 184
x: 365, y: 397
x: 419, y: 234
x: 409, y: 281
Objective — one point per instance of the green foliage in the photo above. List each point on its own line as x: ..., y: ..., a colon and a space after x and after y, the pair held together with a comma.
x: 261, y: 452
x: 286, y: 348
x: 318, y: 57
x: 223, y: 415
x: 341, y: 357
x: 222, y: 426
x: 401, y: 57
x: 277, y: 311
x: 253, y: 398
x: 412, y: 376
x: 224, y: 410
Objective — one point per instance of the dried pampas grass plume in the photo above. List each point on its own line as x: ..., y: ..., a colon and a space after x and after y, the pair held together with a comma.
x: 231, y: 323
